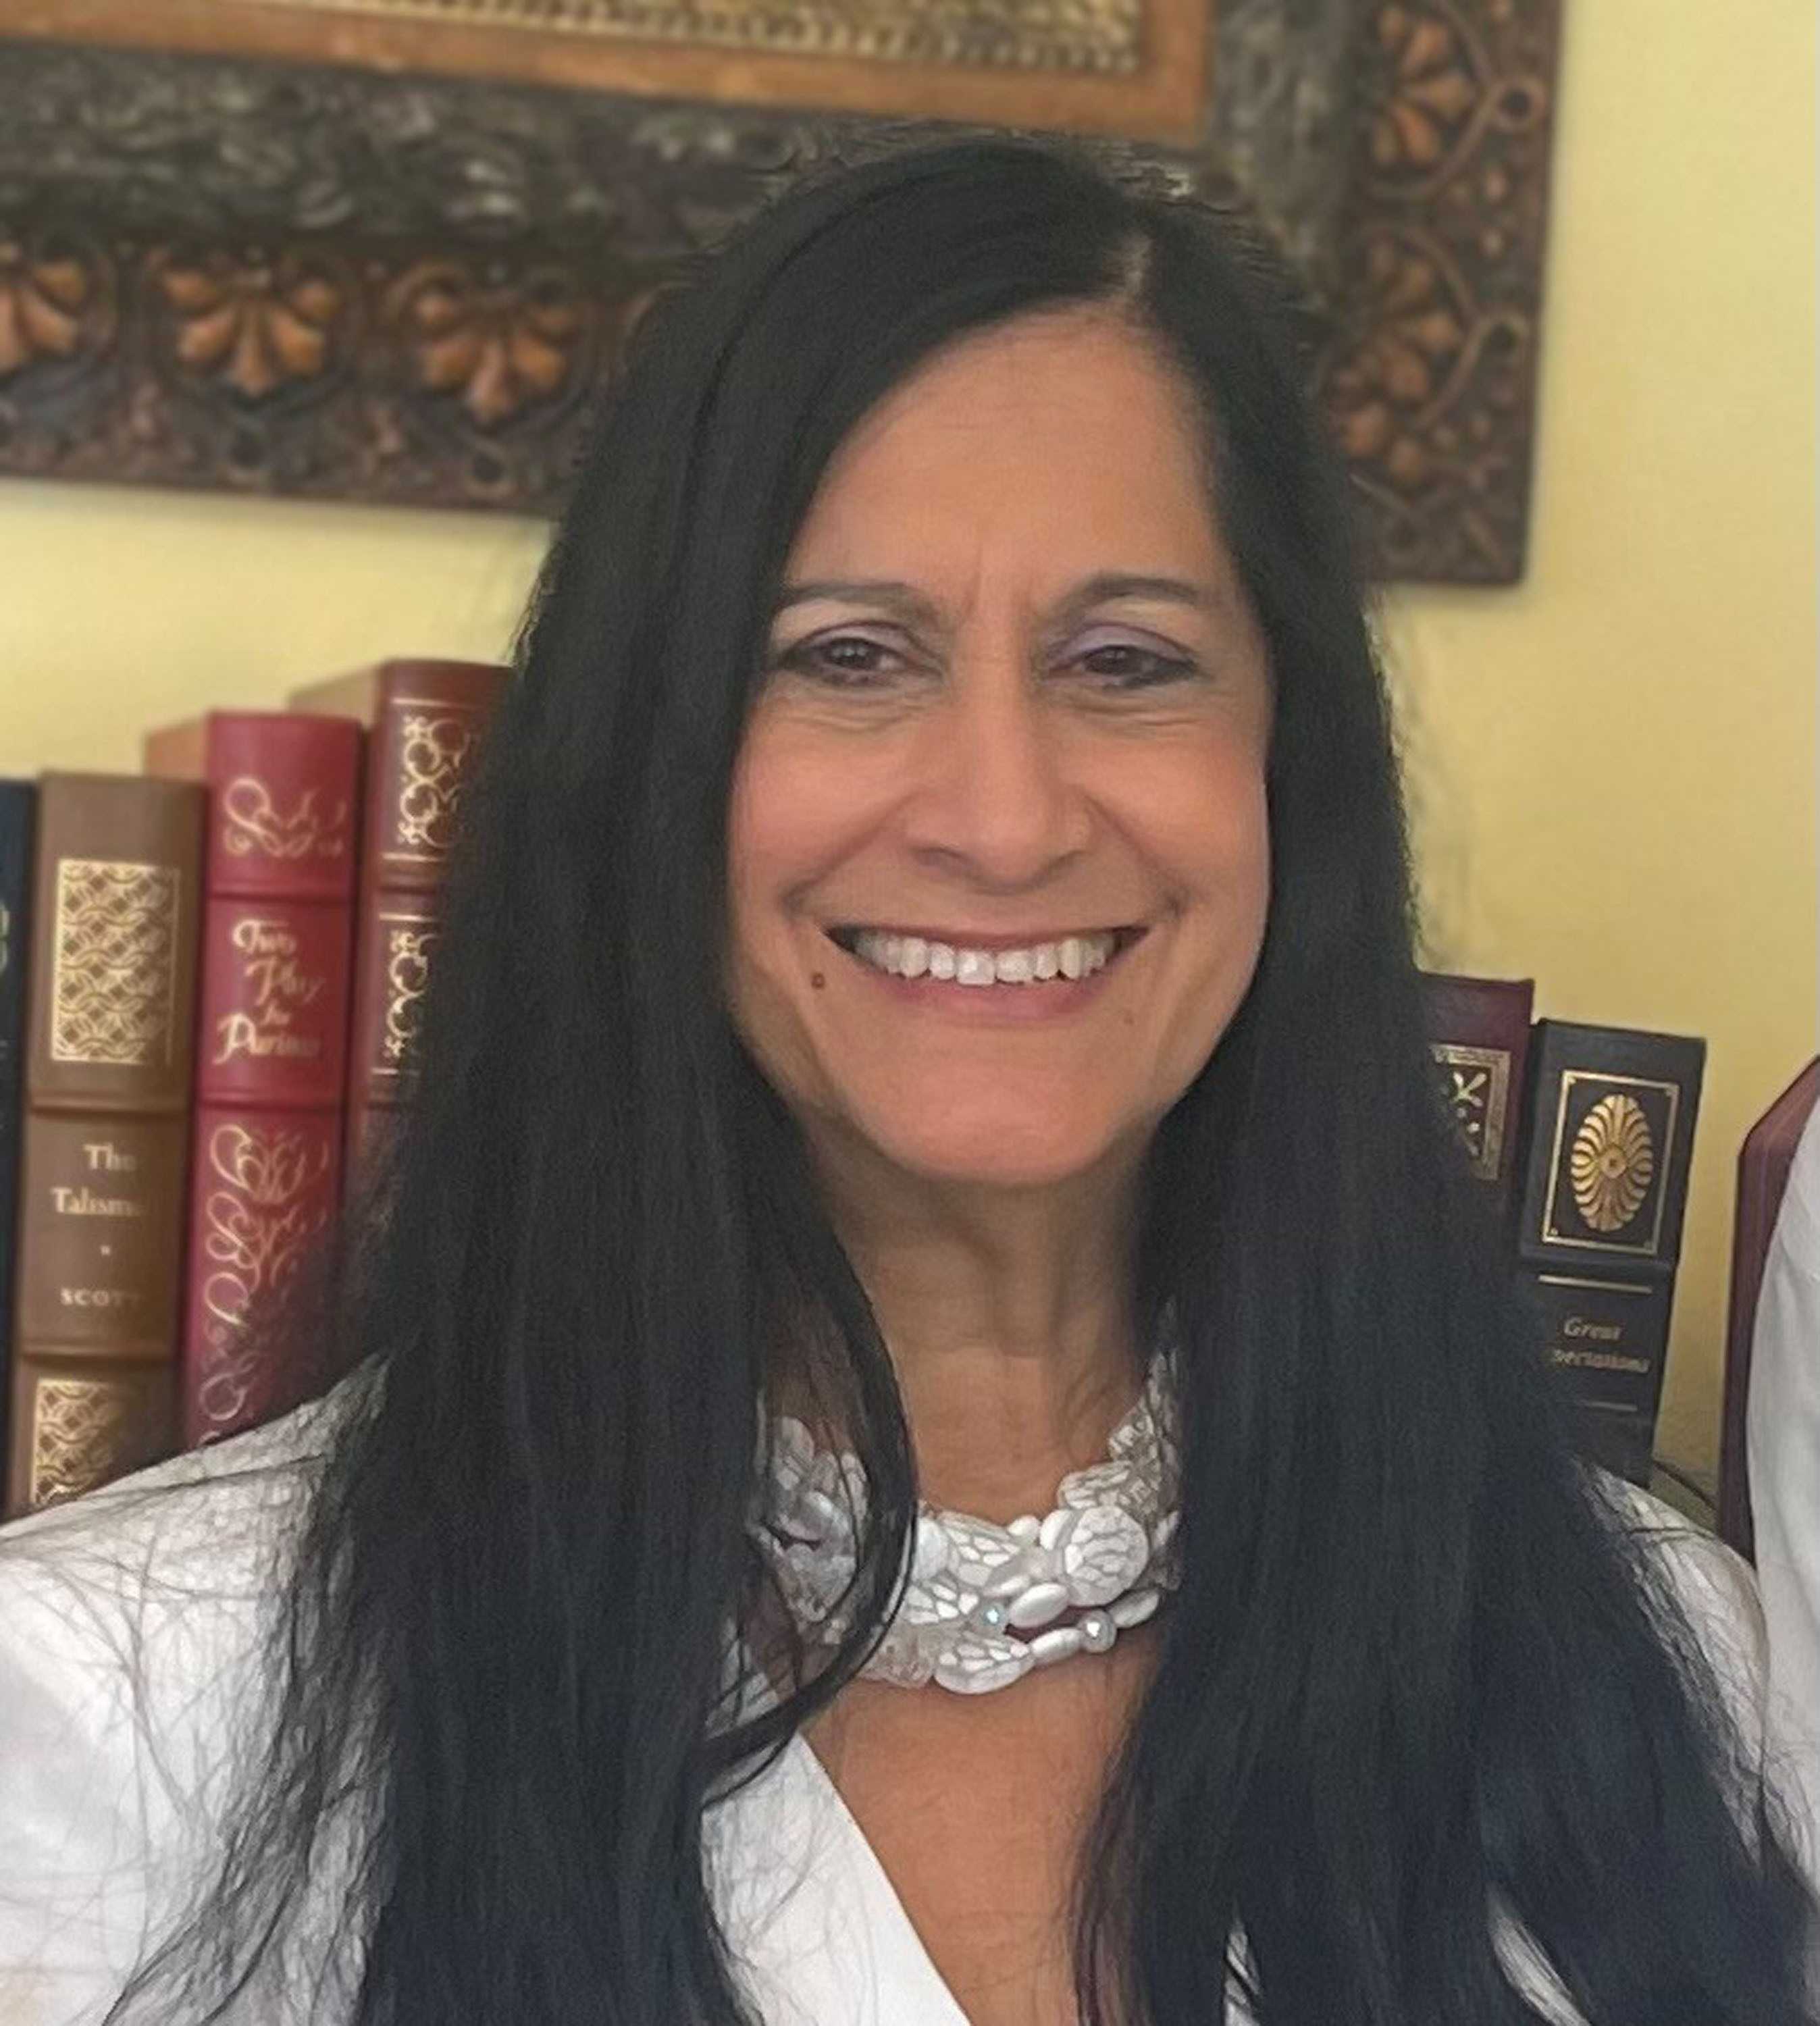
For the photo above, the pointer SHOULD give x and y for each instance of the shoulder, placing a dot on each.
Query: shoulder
(130, 1623)
(1709, 1586)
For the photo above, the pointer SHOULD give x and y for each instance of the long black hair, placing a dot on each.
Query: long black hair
(1418, 1675)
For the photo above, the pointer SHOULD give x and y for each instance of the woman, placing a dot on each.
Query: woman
(930, 975)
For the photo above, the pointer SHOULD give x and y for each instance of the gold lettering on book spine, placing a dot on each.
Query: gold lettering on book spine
(80, 1428)
(113, 988)
(1612, 1162)
(256, 1224)
(252, 822)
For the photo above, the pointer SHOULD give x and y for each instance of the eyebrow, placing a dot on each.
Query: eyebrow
(1106, 587)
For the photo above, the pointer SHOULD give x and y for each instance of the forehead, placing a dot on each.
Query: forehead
(1060, 443)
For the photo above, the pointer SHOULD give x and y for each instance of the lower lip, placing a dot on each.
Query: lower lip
(1054, 999)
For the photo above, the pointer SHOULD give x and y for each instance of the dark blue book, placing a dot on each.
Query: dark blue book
(18, 799)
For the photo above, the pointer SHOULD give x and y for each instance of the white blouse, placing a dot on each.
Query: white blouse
(109, 1794)
(1783, 1434)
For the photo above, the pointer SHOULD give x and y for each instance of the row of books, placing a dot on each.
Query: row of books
(1584, 1136)
(209, 979)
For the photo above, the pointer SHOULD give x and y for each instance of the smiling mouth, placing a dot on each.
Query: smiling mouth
(1062, 960)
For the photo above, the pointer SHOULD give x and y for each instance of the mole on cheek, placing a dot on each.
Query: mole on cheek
(816, 980)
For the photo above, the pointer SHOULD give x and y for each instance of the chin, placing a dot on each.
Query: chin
(1027, 1152)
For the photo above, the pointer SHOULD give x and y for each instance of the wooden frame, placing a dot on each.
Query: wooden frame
(228, 271)
(1130, 67)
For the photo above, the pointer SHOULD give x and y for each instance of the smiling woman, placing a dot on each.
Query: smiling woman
(1012, 731)
(929, 979)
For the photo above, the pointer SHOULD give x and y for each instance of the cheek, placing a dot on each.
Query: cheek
(784, 829)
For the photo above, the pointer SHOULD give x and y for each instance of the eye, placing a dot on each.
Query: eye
(1131, 664)
(841, 660)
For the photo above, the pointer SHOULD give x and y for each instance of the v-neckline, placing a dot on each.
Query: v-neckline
(935, 2006)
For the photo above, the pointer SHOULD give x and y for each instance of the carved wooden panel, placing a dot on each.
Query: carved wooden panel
(1431, 379)
(276, 279)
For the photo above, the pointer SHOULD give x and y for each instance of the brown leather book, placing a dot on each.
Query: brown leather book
(271, 1033)
(109, 1032)
(1607, 1148)
(1479, 1034)
(1763, 1164)
(427, 719)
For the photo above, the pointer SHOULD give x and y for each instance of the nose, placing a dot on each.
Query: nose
(994, 800)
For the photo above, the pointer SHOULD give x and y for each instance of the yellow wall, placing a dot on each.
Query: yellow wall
(1613, 766)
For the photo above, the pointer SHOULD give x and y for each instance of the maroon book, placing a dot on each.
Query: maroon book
(1763, 1164)
(427, 720)
(271, 1032)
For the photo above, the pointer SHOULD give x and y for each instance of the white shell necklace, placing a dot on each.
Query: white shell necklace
(981, 1603)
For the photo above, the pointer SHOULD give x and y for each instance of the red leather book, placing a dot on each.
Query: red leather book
(1479, 1034)
(110, 1022)
(1763, 1163)
(271, 1040)
(427, 719)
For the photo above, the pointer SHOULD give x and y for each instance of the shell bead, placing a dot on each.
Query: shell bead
(1104, 1555)
(1126, 1611)
(1038, 1605)
(1097, 1631)
(929, 1552)
(1061, 1642)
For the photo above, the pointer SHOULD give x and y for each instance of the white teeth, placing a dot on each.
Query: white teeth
(915, 956)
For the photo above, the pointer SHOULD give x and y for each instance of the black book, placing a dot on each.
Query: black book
(17, 802)
(1608, 1146)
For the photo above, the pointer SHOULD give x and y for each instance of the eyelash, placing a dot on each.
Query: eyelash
(1159, 667)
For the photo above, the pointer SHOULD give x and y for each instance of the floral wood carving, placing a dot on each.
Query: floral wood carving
(1430, 380)
(285, 280)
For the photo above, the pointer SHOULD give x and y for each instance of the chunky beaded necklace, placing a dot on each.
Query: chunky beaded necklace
(982, 1604)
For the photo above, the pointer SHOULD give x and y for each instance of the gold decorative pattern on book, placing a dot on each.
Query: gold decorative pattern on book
(408, 943)
(79, 1430)
(434, 753)
(1477, 1088)
(1612, 1162)
(113, 967)
(257, 1227)
(252, 822)
(1608, 1169)
(1102, 36)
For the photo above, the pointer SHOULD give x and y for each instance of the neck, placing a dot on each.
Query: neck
(1008, 1314)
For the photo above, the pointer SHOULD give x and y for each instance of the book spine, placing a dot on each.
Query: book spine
(109, 1034)
(271, 1045)
(18, 802)
(1608, 1153)
(426, 739)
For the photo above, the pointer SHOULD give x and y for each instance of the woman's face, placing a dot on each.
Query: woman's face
(998, 855)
